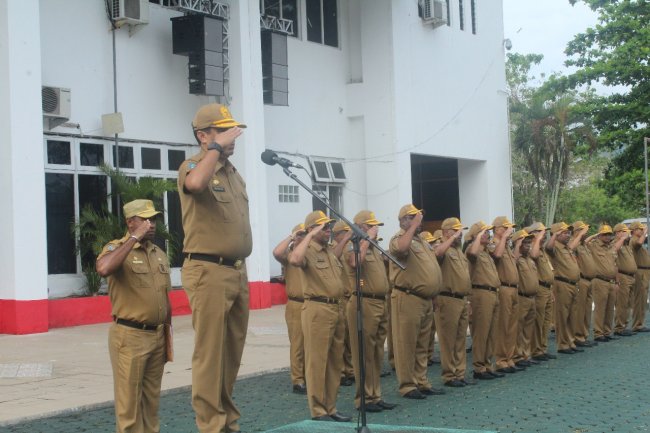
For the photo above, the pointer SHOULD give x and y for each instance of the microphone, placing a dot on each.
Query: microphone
(269, 157)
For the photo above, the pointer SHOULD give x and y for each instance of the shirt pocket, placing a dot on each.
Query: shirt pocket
(224, 203)
(142, 276)
(323, 269)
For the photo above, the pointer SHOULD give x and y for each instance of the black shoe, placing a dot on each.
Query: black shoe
(523, 363)
(583, 344)
(322, 418)
(576, 350)
(339, 417)
(372, 407)
(469, 382)
(611, 337)
(566, 351)
(469, 349)
(550, 356)
(531, 361)
(414, 395)
(644, 329)
(518, 368)
(384, 373)
(593, 343)
(483, 376)
(624, 333)
(454, 383)
(432, 391)
(385, 405)
(602, 339)
(541, 358)
(434, 360)
(508, 370)
(496, 374)
(299, 388)
(347, 381)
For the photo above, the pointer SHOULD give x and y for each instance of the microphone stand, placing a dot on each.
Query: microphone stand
(358, 236)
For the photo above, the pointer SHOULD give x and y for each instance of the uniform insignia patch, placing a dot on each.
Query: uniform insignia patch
(219, 188)
(215, 181)
(191, 165)
(111, 247)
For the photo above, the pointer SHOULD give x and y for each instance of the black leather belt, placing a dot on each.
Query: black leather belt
(584, 277)
(525, 296)
(509, 285)
(482, 287)
(232, 263)
(296, 299)
(371, 296)
(629, 274)
(411, 292)
(604, 278)
(451, 295)
(566, 280)
(543, 284)
(644, 267)
(324, 300)
(134, 324)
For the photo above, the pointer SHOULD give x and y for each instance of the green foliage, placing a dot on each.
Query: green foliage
(592, 205)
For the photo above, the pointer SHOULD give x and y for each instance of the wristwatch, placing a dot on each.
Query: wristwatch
(215, 146)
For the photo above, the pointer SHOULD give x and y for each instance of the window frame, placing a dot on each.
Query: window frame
(328, 163)
(305, 29)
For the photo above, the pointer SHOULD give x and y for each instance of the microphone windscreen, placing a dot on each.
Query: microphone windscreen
(268, 157)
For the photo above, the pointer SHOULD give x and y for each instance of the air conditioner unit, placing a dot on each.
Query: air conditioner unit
(433, 12)
(56, 105)
(130, 11)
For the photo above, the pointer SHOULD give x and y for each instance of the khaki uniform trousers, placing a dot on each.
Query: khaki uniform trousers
(432, 340)
(138, 360)
(504, 336)
(348, 368)
(624, 296)
(218, 297)
(323, 329)
(604, 294)
(581, 314)
(543, 313)
(411, 320)
(451, 318)
(484, 305)
(565, 298)
(292, 313)
(375, 327)
(640, 298)
(526, 313)
(389, 336)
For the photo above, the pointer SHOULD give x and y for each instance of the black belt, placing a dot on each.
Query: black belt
(233, 263)
(482, 287)
(644, 267)
(525, 296)
(371, 296)
(566, 280)
(629, 274)
(324, 300)
(604, 278)
(451, 295)
(136, 325)
(411, 292)
(584, 277)
(296, 299)
(508, 285)
(547, 285)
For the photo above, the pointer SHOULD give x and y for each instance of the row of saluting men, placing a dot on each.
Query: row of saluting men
(507, 286)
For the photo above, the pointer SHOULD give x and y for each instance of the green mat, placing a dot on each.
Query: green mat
(332, 427)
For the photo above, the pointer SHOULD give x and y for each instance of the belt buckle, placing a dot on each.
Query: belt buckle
(238, 264)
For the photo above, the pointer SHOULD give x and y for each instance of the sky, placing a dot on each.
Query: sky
(545, 27)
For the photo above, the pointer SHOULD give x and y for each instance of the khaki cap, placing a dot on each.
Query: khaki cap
(560, 227)
(437, 235)
(605, 229)
(427, 236)
(620, 227)
(476, 228)
(536, 227)
(340, 226)
(408, 209)
(579, 225)
(521, 234)
(637, 225)
(140, 208)
(298, 229)
(503, 221)
(214, 115)
(316, 218)
(367, 217)
(452, 224)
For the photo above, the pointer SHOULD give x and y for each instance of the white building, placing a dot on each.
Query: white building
(387, 107)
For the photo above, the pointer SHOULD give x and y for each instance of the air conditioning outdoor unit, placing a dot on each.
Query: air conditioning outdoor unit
(434, 12)
(130, 11)
(56, 105)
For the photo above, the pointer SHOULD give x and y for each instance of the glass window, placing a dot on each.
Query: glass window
(91, 154)
(330, 23)
(290, 12)
(175, 226)
(59, 201)
(321, 169)
(288, 193)
(126, 157)
(461, 12)
(472, 8)
(337, 170)
(58, 152)
(314, 26)
(448, 14)
(322, 22)
(332, 194)
(92, 193)
(175, 158)
(150, 158)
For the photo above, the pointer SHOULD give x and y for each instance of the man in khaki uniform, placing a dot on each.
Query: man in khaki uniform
(293, 309)
(640, 298)
(567, 275)
(434, 241)
(484, 299)
(374, 288)
(341, 235)
(138, 286)
(527, 292)
(322, 317)
(581, 315)
(505, 331)
(412, 308)
(626, 271)
(451, 305)
(218, 239)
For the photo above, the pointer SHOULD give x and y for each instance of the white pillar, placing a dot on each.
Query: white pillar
(23, 250)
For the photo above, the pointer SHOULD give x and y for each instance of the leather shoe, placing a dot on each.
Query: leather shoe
(432, 391)
(469, 382)
(644, 329)
(523, 363)
(454, 383)
(566, 351)
(508, 370)
(385, 405)
(540, 358)
(611, 337)
(576, 350)
(531, 361)
(496, 374)
(414, 394)
(518, 367)
(299, 388)
(624, 333)
(347, 381)
(601, 339)
(372, 407)
(583, 344)
(550, 356)
(322, 418)
(483, 376)
(339, 417)
(384, 373)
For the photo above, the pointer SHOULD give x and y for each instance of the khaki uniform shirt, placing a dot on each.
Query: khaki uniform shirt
(586, 261)
(544, 267)
(138, 289)
(528, 278)
(216, 220)
(506, 265)
(322, 273)
(482, 269)
(641, 255)
(373, 272)
(422, 274)
(293, 279)
(348, 285)
(625, 259)
(564, 262)
(455, 272)
(604, 258)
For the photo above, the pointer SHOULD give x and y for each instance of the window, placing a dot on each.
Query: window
(327, 170)
(126, 157)
(283, 9)
(288, 193)
(333, 194)
(58, 152)
(150, 158)
(448, 14)
(322, 22)
(472, 7)
(461, 12)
